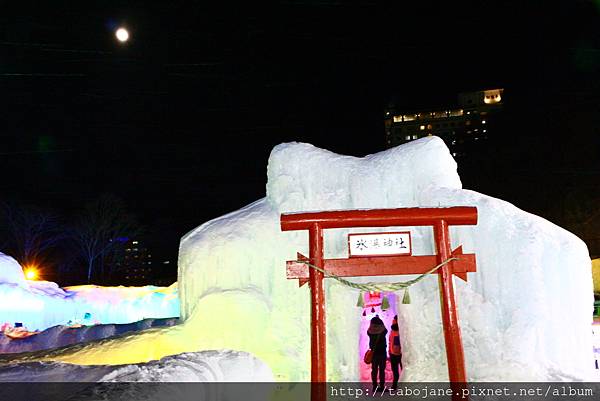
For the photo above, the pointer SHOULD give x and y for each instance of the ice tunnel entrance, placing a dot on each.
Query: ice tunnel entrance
(315, 268)
(372, 307)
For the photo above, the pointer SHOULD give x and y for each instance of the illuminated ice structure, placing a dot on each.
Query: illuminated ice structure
(525, 314)
(39, 305)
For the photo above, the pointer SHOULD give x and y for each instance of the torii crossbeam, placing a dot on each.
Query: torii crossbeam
(439, 218)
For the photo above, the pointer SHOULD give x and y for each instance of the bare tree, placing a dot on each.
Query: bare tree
(29, 232)
(102, 228)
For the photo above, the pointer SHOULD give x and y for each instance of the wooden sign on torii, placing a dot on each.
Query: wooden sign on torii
(439, 218)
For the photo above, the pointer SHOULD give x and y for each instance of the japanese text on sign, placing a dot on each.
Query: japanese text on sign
(373, 244)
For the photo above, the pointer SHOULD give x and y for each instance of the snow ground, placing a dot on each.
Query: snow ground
(221, 366)
(206, 367)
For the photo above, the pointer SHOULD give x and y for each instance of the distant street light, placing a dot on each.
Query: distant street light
(122, 35)
(31, 273)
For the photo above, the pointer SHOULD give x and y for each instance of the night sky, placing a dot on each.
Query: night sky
(179, 121)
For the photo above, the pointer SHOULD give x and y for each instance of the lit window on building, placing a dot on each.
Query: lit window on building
(422, 127)
(407, 137)
(397, 119)
(483, 121)
(415, 137)
(428, 126)
(484, 130)
(491, 98)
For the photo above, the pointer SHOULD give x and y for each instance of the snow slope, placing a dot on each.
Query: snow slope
(234, 293)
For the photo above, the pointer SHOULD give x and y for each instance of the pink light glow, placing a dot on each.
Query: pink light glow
(363, 343)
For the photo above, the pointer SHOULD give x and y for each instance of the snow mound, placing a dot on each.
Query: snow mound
(211, 366)
(46, 288)
(302, 177)
(220, 366)
(525, 314)
(11, 271)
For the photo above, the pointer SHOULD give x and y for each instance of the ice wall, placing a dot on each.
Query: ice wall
(39, 305)
(525, 315)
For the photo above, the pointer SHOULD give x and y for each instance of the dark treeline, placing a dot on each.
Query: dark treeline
(81, 248)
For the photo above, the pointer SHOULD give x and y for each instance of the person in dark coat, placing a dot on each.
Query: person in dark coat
(378, 344)
(395, 351)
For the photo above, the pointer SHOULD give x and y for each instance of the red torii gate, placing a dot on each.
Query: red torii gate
(439, 218)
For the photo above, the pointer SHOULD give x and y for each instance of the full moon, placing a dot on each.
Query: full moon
(122, 35)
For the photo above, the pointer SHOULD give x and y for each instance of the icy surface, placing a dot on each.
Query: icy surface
(39, 305)
(525, 315)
